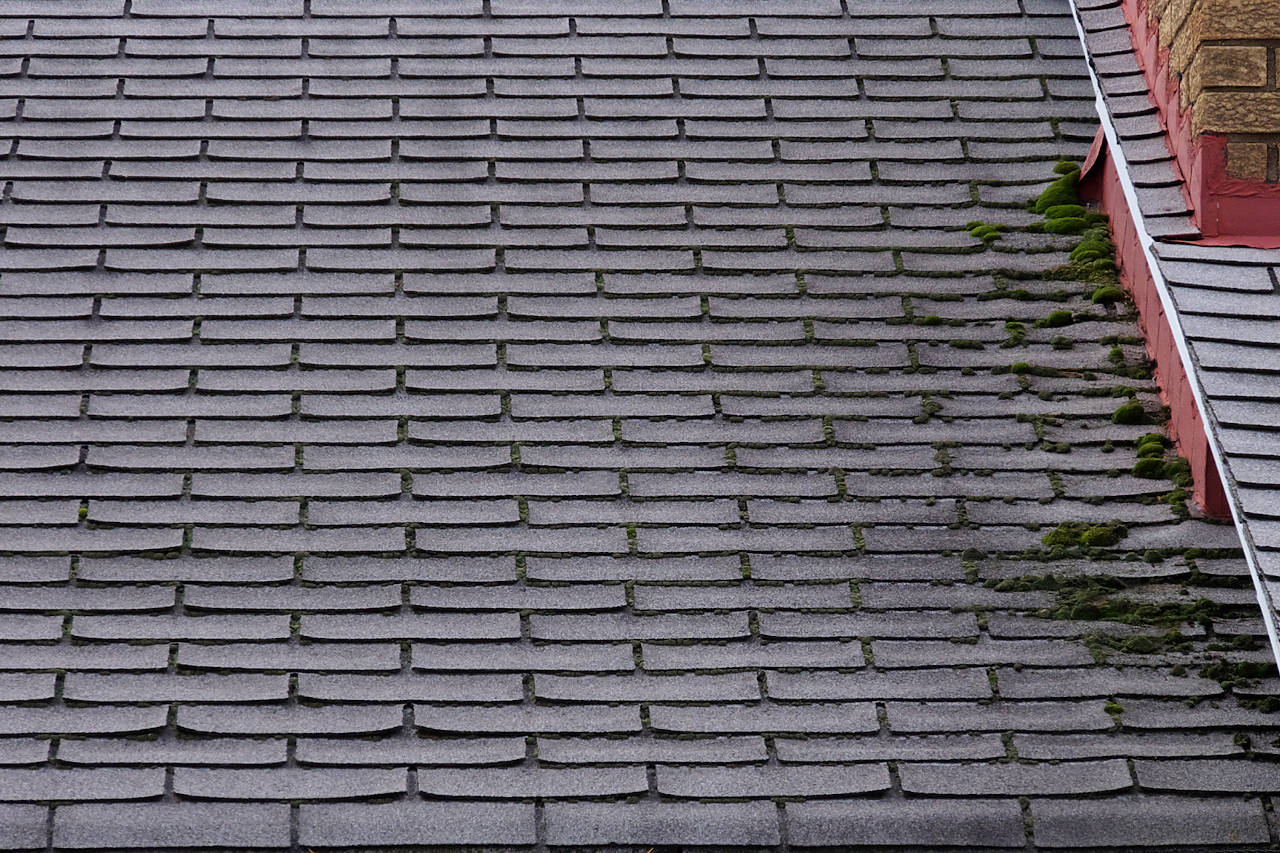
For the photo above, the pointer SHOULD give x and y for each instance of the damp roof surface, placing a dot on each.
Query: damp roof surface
(551, 425)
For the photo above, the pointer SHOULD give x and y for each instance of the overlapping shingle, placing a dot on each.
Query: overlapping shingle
(539, 424)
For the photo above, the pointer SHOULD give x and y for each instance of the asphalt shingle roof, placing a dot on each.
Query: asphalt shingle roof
(546, 424)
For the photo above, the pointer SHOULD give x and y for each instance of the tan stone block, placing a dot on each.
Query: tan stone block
(1236, 112)
(1247, 160)
(1236, 19)
(1183, 51)
(1173, 19)
(1156, 9)
(1226, 65)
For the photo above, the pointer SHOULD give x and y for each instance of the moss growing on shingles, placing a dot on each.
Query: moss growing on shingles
(1101, 598)
(1096, 245)
(1056, 320)
(1107, 295)
(1238, 674)
(1062, 191)
(1076, 534)
(1179, 472)
(1023, 368)
(1152, 446)
(1130, 413)
(1066, 225)
(986, 232)
(1149, 469)
(1017, 334)
(1066, 211)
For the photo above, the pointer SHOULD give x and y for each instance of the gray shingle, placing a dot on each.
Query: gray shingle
(144, 825)
(752, 824)
(497, 400)
(408, 823)
(967, 823)
(1147, 820)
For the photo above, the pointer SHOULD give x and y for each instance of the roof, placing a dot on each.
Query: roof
(536, 424)
(1226, 301)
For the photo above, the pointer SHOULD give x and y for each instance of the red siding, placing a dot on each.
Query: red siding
(1185, 423)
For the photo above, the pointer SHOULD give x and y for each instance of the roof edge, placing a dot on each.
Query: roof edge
(1179, 336)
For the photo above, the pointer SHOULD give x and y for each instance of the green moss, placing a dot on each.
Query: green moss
(986, 232)
(1139, 645)
(1107, 295)
(1068, 225)
(1152, 446)
(1130, 413)
(1239, 674)
(1085, 253)
(1023, 368)
(1074, 534)
(1017, 334)
(1103, 535)
(1056, 320)
(1066, 211)
(1266, 704)
(1060, 192)
(1149, 469)
(1179, 472)
(1101, 598)
(1065, 167)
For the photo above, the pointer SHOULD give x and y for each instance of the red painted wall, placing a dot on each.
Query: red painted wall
(1186, 427)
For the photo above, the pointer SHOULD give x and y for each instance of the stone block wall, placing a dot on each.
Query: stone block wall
(1224, 54)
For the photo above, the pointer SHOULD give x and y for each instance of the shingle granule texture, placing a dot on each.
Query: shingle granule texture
(535, 424)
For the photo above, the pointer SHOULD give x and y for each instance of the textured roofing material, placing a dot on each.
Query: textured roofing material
(541, 424)
(1226, 301)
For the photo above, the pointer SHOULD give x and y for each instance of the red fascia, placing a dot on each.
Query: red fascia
(1228, 211)
(1101, 183)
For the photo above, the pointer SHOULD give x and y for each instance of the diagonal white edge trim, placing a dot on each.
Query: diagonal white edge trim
(1175, 325)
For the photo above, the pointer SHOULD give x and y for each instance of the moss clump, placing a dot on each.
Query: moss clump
(1130, 413)
(1149, 469)
(1239, 674)
(1066, 211)
(1066, 225)
(985, 232)
(1095, 245)
(1118, 608)
(1179, 472)
(1017, 334)
(1076, 534)
(1266, 705)
(1100, 597)
(1107, 295)
(1152, 446)
(1061, 192)
(1056, 320)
